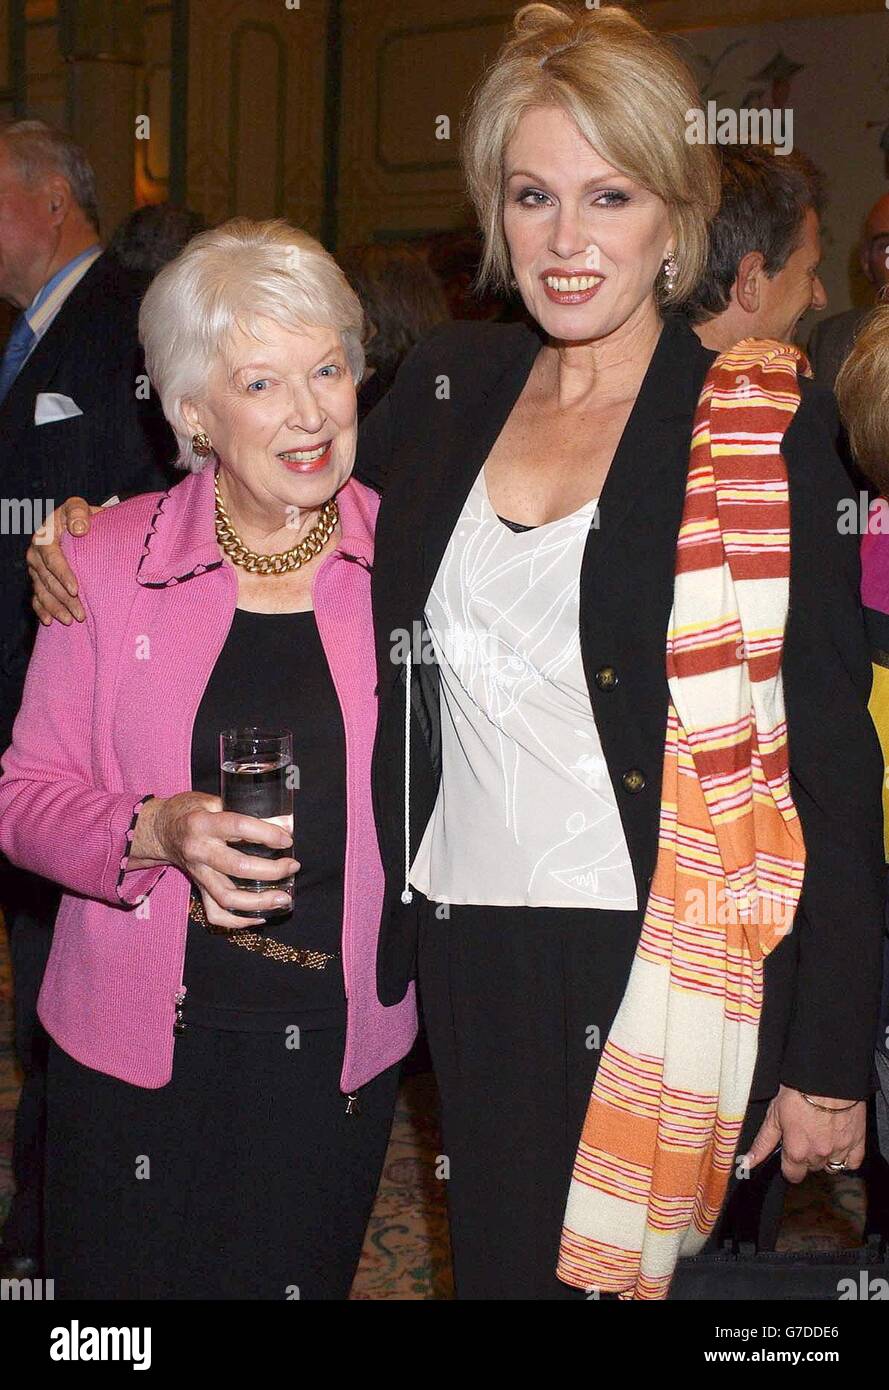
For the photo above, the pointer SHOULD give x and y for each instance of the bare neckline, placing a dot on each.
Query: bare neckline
(543, 525)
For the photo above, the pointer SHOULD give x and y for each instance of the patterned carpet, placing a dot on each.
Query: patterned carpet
(405, 1252)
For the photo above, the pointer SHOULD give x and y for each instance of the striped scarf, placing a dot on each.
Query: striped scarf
(665, 1115)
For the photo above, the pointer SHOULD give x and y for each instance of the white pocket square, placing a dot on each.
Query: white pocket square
(50, 406)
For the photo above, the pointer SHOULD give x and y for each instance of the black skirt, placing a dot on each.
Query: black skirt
(243, 1178)
(518, 1004)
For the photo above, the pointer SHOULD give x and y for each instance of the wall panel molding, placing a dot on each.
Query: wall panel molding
(256, 169)
(256, 110)
(404, 64)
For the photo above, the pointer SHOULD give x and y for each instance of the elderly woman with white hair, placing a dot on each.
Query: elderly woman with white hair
(219, 1098)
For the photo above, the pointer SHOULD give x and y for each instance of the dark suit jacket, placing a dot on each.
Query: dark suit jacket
(424, 445)
(830, 343)
(91, 353)
(828, 347)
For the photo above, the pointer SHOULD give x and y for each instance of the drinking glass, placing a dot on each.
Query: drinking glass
(254, 766)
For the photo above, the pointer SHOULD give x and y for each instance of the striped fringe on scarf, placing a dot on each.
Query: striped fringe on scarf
(668, 1102)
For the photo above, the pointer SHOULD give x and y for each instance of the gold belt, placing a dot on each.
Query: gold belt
(258, 941)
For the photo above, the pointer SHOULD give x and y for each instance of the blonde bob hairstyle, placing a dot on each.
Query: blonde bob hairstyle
(234, 276)
(628, 91)
(862, 392)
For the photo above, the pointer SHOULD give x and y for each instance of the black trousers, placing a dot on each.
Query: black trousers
(518, 1005)
(243, 1178)
(29, 906)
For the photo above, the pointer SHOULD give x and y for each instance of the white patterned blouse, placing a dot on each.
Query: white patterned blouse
(526, 814)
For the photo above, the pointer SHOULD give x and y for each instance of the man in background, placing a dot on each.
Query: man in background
(761, 278)
(402, 300)
(76, 416)
(152, 235)
(765, 249)
(831, 340)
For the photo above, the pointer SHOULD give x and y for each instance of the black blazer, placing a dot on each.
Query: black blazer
(424, 445)
(91, 353)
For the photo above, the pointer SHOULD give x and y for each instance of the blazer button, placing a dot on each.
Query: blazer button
(606, 678)
(633, 780)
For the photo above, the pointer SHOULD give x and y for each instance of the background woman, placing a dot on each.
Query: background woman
(862, 388)
(218, 1116)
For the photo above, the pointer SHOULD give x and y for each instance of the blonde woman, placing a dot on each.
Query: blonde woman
(862, 388)
(534, 487)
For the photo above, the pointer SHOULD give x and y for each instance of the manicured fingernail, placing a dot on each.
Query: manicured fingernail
(282, 900)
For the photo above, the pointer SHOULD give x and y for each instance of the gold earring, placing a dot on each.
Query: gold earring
(201, 444)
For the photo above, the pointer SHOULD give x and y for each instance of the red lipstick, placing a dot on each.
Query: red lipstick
(307, 465)
(571, 296)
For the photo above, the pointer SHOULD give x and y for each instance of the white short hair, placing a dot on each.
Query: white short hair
(232, 277)
(39, 149)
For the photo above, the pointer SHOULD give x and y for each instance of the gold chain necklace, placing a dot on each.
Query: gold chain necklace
(287, 560)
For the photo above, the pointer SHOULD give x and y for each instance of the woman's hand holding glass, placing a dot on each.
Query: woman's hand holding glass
(192, 831)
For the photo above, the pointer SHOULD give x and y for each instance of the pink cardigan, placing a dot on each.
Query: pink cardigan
(106, 722)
